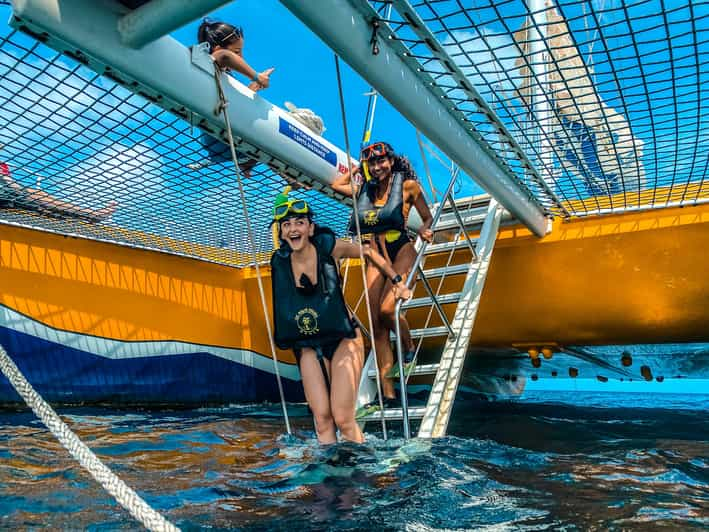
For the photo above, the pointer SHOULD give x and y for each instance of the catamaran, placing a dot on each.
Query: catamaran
(593, 231)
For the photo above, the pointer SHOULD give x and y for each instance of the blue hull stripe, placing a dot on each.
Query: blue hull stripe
(69, 375)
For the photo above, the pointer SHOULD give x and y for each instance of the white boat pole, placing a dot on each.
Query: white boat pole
(540, 94)
(345, 29)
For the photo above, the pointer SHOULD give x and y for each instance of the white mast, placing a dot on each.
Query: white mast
(540, 95)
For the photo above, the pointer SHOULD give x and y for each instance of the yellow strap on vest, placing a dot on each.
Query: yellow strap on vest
(392, 235)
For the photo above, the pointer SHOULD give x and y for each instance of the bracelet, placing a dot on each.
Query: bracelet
(396, 279)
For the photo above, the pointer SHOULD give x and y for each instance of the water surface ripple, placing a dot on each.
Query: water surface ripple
(506, 465)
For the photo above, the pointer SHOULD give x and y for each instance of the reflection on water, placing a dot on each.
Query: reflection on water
(512, 465)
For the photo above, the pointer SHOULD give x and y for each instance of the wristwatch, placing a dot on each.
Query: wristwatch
(396, 279)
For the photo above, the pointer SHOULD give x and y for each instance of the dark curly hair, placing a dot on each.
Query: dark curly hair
(403, 165)
(218, 33)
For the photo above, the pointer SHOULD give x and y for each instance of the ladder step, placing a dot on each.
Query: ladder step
(429, 332)
(443, 299)
(456, 269)
(421, 369)
(470, 202)
(393, 414)
(462, 243)
(450, 221)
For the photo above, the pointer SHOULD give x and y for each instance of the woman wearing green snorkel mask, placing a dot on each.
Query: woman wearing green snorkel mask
(310, 315)
(389, 190)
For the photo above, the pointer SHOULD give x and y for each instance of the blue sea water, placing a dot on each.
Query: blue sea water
(561, 461)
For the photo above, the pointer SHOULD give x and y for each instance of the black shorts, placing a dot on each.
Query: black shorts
(327, 350)
(393, 248)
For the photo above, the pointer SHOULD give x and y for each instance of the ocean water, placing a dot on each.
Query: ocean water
(562, 461)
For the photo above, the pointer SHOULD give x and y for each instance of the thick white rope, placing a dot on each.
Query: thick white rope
(361, 253)
(125, 496)
(221, 108)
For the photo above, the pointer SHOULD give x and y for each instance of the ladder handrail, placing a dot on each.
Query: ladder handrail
(456, 212)
(409, 280)
(435, 301)
(446, 381)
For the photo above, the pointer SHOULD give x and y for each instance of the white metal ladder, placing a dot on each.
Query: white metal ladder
(436, 414)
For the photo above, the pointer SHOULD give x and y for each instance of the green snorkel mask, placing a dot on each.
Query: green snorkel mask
(284, 208)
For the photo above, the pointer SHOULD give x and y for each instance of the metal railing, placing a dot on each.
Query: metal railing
(416, 269)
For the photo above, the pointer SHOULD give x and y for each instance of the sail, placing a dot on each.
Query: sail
(591, 139)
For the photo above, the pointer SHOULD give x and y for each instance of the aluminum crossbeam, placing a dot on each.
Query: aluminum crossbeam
(345, 27)
(158, 18)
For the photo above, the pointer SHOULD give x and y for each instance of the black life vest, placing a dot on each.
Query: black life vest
(377, 220)
(315, 319)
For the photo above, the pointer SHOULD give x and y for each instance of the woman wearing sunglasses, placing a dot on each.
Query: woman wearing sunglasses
(384, 199)
(310, 315)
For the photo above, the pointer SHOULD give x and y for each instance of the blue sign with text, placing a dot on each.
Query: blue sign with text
(305, 140)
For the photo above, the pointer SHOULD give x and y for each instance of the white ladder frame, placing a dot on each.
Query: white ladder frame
(445, 384)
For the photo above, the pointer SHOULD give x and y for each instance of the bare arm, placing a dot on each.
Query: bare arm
(228, 59)
(10, 182)
(342, 183)
(414, 192)
(349, 250)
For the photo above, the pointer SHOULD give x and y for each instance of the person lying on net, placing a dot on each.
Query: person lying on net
(226, 45)
(13, 194)
(310, 315)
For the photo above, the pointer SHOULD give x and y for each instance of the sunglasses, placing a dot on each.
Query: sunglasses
(238, 33)
(378, 149)
(296, 206)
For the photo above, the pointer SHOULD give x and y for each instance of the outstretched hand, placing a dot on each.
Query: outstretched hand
(264, 78)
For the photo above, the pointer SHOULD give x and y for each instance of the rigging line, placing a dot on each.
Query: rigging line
(359, 237)
(119, 490)
(221, 108)
(372, 104)
(434, 192)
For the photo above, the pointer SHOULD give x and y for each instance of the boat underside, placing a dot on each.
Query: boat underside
(90, 321)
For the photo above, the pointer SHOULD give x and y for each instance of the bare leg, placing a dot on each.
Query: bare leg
(317, 396)
(402, 265)
(345, 370)
(385, 357)
(44, 200)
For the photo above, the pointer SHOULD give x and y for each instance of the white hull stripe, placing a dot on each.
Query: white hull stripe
(120, 349)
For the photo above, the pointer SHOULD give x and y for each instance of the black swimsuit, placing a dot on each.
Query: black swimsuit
(312, 315)
(393, 248)
(384, 219)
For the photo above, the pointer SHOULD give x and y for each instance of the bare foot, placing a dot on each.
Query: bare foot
(105, 213)
(247, 166)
